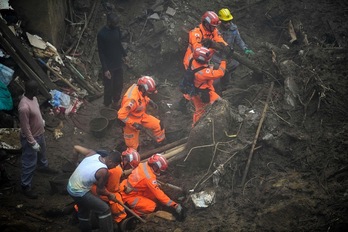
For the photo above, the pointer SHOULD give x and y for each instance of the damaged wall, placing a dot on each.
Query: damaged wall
(43, 18)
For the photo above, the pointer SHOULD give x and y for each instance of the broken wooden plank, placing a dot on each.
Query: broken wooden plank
(24, 55)
(25, 68)
(163, 148)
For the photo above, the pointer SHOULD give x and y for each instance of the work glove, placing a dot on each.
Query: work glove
(36, 147)
(207, 42)
(248, 52)
(153, 104)
(44, 122)
(178, 208)
(138, 126)
(180, 213)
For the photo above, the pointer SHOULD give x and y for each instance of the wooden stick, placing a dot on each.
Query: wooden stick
(163, 148)
(292, 32)
(257, 133)
(58, 75)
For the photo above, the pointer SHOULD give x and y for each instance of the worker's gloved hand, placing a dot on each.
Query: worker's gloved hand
(178, 208)
(112, 197)
(248, 52)
(138, 126)
(153, 104)
(180, 212)
(207, 42)
(44, 122)
(36, 147)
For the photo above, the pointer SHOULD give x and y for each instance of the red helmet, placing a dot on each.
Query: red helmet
(148, 83)
(158, 163)
(130, 157)
(202, 55)
(210, 20)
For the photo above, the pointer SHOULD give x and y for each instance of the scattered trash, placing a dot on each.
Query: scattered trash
(9, 138)
(170, 11)
(154, 16)
(6, 74)
(220, 171)
(203, 199)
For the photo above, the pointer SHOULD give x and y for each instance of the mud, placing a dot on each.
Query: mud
(297, 180)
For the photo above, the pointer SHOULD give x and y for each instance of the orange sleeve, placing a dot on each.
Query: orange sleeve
(158, 193)
(195, 38)
(210, 73)
(126, 108)
(218, 38)
(113, 184)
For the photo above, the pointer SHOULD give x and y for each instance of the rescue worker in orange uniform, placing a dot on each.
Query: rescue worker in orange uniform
(133, 112)
(204, 80)
(129, 159)
(141, 191)
(207, 35)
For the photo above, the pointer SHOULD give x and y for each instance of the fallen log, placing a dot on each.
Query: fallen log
(163, 148)
(25, 68)
(17, 49)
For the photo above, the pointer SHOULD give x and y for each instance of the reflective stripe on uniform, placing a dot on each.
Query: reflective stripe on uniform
(146, 172)
(134, 203)
(104, 216)
(128, 136)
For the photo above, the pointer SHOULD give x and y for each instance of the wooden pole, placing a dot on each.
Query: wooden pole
(257, 133)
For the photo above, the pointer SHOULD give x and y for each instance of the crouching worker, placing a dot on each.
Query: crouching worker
(204, 80)
(93, 169)
(141, 191)
(129, 159)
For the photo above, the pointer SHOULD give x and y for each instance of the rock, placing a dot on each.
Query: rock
(217, 120)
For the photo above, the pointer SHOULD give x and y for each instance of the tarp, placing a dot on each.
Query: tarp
(6, 102)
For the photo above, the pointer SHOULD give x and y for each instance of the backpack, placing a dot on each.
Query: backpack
(187, 85)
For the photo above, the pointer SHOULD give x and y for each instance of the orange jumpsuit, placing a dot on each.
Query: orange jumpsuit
(140, 190)
(133, 110)
(113, 185)
(195, 38)
(204, 79)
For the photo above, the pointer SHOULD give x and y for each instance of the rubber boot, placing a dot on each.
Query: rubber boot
(85, 225)
(105, 223)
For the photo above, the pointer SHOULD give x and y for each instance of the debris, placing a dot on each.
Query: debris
(170, 11)
(292, 33)
(154, 16)
(203, 199)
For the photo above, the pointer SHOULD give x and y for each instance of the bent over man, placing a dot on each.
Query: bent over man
(133, 112)
(93, 169)
(140, 190)
(129, 159)
(204, 80)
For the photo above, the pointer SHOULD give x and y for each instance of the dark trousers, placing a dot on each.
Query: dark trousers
(31, 159)
(88, 203)
(113, 87)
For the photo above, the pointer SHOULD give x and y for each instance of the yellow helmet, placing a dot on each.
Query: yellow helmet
(225, 15)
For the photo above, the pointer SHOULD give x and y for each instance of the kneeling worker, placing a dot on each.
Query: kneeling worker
(140, 190)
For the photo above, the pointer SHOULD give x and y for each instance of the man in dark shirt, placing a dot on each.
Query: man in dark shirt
(111, 55)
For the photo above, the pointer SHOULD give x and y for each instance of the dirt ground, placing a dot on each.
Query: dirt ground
(297, 180)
